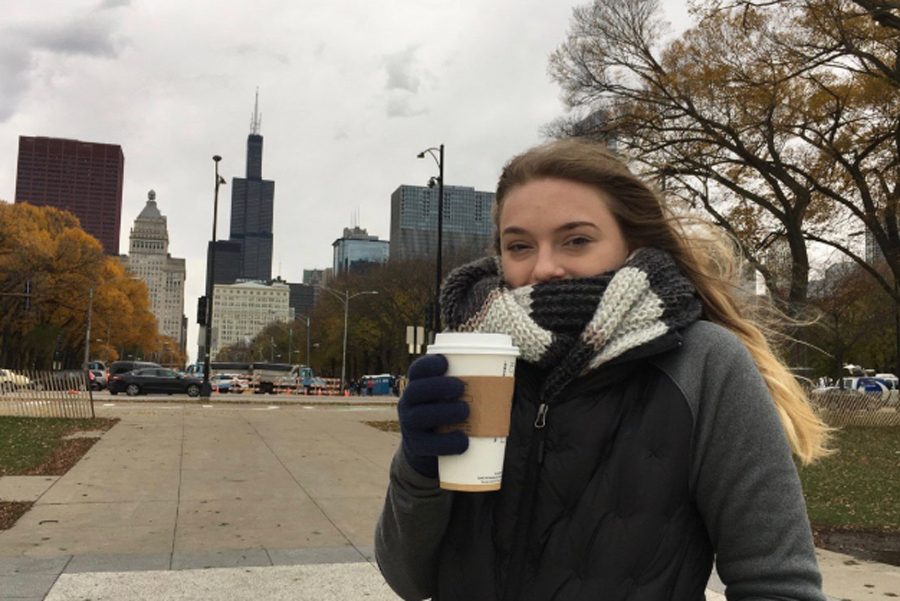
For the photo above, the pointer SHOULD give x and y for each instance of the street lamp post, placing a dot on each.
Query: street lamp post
(439, 159)
(306, 317)
(206, 387)
(345, 298)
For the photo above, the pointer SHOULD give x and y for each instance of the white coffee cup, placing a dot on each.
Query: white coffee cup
(487, 364)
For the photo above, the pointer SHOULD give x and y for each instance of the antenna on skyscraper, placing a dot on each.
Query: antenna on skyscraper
(256, 119)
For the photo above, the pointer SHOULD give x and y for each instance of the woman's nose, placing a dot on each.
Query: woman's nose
(546, 267)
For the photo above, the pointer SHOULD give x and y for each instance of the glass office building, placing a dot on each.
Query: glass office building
(467, 224)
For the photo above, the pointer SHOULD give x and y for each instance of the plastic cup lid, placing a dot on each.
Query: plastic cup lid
(473, 343)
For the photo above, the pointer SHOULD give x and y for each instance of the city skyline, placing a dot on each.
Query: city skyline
(349, 94)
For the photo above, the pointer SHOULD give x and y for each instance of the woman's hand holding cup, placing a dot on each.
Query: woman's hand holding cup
(431, 400)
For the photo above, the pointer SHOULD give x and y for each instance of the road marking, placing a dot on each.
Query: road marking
(109, 404)
(207, 406)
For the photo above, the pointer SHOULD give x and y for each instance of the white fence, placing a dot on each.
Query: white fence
(850, 408)
(46, 394)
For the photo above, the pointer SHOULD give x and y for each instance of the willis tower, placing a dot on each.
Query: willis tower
(251, 212)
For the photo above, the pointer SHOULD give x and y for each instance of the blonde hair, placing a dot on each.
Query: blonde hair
(703, 255)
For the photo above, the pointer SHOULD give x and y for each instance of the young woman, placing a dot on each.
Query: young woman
(652, 425)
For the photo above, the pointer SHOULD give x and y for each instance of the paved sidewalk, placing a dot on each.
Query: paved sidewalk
(233, 502)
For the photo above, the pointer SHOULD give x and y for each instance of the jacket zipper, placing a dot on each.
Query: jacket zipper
(536, 459)
(539, 423)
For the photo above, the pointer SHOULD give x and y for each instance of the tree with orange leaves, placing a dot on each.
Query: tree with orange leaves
(45, 252)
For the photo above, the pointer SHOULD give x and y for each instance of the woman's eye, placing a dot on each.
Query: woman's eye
(516, 247)
(578, 241)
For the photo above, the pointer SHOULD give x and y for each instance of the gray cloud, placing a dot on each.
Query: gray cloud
(90, 37)
(108, 4)
(254, 49)
(14, 64)
(400, 105)
(18, 45)
(400, 68)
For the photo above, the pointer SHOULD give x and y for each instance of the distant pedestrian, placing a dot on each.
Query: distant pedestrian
(652, 425)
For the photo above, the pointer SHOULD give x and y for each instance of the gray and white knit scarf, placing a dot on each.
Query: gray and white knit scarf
(573, 326)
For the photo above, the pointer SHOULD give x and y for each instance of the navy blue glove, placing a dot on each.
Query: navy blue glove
(431, 399)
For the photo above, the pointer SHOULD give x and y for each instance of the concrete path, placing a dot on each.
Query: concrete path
(232, 502)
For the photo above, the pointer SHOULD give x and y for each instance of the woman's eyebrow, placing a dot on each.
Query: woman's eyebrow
(576, 224)
(515, 229)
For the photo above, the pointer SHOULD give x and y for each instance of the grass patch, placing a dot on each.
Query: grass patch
(35, 446)
(858, 487)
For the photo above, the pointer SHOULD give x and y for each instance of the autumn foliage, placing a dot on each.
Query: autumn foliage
(779, 118)
(45, 252)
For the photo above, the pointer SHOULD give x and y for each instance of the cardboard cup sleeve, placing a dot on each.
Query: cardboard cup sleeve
(490, 403)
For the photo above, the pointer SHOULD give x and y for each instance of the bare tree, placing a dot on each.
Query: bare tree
(759, 114)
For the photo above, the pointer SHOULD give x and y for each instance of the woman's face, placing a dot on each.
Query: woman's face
(557, 229)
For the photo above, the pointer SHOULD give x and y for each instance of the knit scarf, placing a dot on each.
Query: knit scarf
(573, 326)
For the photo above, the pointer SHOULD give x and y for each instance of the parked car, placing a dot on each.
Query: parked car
(99, 365)
(97, 378)
(10, 380)
(154, 380)
(121, 367)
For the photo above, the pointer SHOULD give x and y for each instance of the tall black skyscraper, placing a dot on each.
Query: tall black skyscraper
(228, 262)
(252, 209)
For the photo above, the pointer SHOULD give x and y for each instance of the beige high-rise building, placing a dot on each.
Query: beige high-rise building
(242, 310)
(148, 259)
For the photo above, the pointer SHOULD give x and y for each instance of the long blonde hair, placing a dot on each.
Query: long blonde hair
(702, 255)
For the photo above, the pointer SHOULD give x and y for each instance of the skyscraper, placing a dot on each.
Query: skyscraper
(84, 178)
(149, 260)
(467, 224)
(358, 251)
(228, 262)
(252, 201)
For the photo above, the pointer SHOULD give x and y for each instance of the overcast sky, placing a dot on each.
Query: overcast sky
(349, 91)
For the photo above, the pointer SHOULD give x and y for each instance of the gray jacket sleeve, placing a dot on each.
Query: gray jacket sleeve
(743, 477)
(410, 529)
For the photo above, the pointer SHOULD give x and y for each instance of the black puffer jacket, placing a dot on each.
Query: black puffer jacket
(639, 473)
